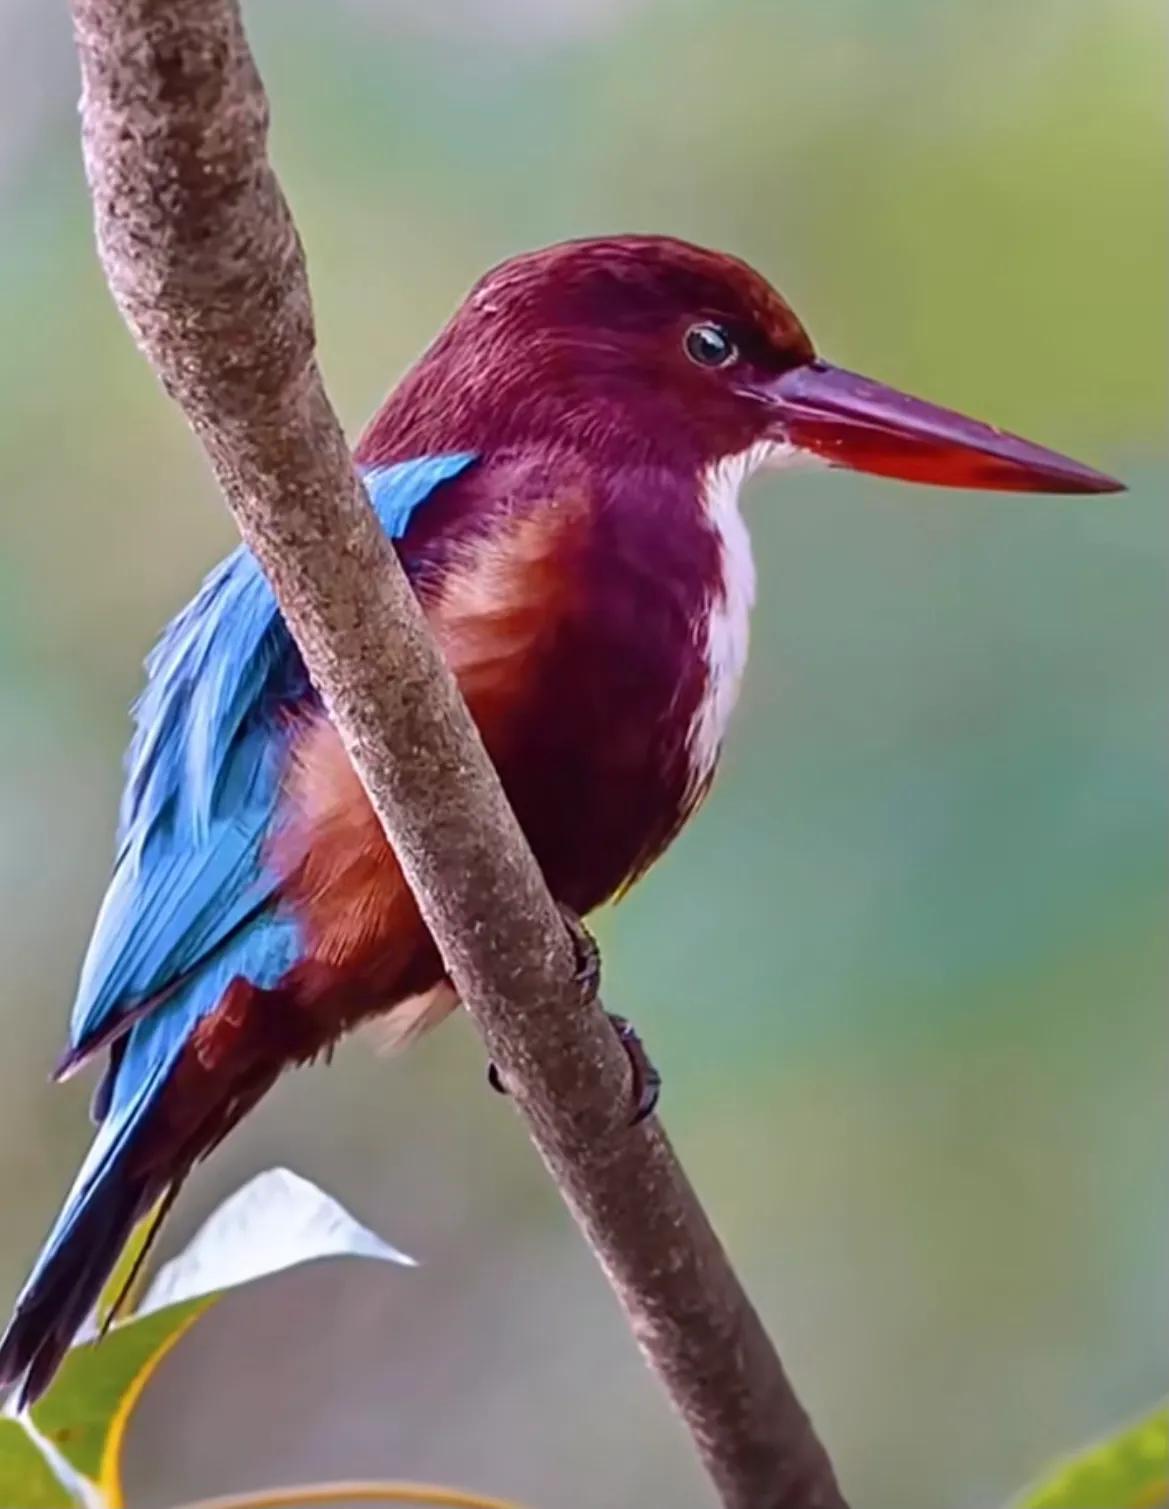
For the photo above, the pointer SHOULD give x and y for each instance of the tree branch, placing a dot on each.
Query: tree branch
(204, 262)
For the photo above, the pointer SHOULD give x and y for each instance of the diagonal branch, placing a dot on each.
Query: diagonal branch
(204, 262)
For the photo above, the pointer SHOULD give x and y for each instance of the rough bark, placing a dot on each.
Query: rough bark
(205, 264)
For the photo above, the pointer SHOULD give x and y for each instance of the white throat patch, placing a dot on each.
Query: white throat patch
(725, 632)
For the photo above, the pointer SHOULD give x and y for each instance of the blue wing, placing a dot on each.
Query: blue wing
(203, 779)
(188, 908)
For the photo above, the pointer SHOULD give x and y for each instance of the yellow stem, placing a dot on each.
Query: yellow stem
(357, 1491)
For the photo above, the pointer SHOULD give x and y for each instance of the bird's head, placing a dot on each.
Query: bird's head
(648, 350)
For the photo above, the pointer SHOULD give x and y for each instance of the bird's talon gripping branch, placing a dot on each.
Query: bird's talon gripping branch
(645, 1078)
(586, 971)
(587, 955)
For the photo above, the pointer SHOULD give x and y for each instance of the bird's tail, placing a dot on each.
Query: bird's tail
(122, 1178)
(66, 1283)
(160, 1109)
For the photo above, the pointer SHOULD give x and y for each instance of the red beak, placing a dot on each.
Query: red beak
(849, 421)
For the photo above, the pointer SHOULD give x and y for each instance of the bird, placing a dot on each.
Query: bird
(560, 472)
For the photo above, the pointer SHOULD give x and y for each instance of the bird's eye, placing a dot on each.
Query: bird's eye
(709, 346)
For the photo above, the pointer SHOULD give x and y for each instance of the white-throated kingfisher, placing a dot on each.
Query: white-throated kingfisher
(561, 473)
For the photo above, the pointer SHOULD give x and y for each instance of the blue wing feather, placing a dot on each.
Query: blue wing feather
(202, 783)
(263, 951)
(188, 908)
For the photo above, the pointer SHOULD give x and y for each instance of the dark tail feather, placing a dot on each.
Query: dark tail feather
(66, 1285)
(126, 1290)
(153, 1127)
(121, 1178)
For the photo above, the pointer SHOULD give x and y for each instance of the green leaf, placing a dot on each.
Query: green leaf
(85, 1413)
(277, 1221)
(26, 1476)
(1127, 1470)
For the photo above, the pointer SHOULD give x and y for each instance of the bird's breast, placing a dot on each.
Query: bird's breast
(599, 639)
(598, 627)
(633, 678)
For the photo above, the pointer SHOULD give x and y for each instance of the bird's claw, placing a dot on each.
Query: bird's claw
(645, 1080)
(586, 954)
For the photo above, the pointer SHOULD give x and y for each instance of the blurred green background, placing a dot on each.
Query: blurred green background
(905, 974)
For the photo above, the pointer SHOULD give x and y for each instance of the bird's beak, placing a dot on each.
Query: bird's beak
(846, 420)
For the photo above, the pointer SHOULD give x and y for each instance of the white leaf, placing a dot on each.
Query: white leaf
(274, 1222)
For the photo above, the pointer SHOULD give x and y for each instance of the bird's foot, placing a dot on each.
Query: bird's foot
(645, 1079)
(586, 954)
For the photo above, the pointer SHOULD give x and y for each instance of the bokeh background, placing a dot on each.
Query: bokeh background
(905, 973)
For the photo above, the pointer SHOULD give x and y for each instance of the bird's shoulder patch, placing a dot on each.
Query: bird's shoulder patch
(498, 604)
(494, 606)
(339, 872)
